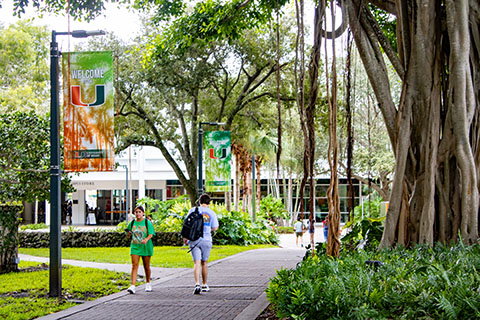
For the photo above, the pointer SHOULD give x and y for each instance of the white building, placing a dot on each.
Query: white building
(144, 169)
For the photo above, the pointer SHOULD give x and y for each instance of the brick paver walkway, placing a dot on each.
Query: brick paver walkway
(237, 286)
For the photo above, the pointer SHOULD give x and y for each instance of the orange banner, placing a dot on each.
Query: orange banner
(88, 122)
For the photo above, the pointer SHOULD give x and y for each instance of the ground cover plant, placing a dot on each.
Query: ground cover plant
(441, 282)
(24, 294)
(165, 256)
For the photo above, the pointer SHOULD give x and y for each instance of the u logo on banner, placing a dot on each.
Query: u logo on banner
(99, 96)
(212, 154)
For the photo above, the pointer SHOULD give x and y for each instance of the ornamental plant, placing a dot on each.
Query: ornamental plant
(441, 282)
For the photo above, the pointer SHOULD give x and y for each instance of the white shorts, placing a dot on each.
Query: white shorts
(201, 249)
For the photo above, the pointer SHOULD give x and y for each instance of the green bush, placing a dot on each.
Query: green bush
(160, 210)
(88, 239)
(420, 283)
(237, 228)
(285, 229)
(33, 226)
(272, 208)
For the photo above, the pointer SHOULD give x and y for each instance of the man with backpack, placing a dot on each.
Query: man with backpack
(200, 248)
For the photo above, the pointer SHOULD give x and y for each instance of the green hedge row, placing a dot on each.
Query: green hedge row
(86, 239)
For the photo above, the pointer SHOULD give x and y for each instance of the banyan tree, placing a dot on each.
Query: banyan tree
(435, 128)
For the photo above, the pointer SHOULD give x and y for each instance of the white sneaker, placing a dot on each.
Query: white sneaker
(131, 289)
(148, 287)
(205, 288)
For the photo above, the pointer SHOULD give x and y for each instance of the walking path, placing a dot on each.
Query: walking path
(237, 288)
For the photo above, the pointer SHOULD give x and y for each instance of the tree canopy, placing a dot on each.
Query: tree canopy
(24, 74)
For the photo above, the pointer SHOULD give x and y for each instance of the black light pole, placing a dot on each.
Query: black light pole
(200, 155)
(55, 170)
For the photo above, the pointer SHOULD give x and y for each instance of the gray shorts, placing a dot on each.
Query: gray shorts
(201, 250)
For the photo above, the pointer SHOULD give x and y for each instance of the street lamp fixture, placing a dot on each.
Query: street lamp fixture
(200, 156)
(55, 167)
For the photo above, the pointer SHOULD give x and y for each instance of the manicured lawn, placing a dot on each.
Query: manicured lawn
(165, 256)
(24, 295)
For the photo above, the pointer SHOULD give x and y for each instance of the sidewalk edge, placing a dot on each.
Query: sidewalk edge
(254, 309)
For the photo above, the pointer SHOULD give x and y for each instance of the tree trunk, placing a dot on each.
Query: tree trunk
(236, 196)
(289, 206)
(434, 130)
(258, 164)
(333, 243)
(9, 222)
(228, 200)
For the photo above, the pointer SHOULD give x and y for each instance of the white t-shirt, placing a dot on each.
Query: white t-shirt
(298, 226)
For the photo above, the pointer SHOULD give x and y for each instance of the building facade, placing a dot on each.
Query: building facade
(103, 198)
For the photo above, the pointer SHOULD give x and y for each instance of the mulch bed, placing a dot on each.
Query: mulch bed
(269, 314)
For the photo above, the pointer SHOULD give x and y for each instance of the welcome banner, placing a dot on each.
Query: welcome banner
(217, 155)
(88, 110)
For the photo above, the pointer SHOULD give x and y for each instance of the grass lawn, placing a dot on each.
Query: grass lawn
(24, 295)
(165, 256)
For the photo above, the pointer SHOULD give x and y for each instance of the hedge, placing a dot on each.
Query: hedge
(87, 239)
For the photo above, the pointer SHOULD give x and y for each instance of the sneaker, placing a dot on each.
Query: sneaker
(131, 289)
(205, 288)
(148, 287)
(197, 289)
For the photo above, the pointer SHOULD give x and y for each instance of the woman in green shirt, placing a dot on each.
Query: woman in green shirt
(141, 230)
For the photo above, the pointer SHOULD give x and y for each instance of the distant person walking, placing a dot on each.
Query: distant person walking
(200, 249)
(299, 231)
(69, 212)
(326, 226)
(141, 230)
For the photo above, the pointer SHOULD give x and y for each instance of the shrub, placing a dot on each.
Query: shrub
(237, 228)
(272, 208)
(285, 229)
(37, 226)
(81, 239)
(423, 282)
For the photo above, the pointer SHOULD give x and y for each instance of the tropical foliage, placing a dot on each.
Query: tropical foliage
(272, 208)
(235, 228)
(422, 283)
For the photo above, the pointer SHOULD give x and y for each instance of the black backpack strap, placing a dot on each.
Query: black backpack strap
(146, 225)
(130, 226)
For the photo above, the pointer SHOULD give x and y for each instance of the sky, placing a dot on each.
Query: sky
(124, 23)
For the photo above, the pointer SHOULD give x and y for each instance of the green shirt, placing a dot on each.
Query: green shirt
(138, 234)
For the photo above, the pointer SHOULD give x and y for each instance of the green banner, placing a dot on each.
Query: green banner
(88, 124)
(217, 157)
